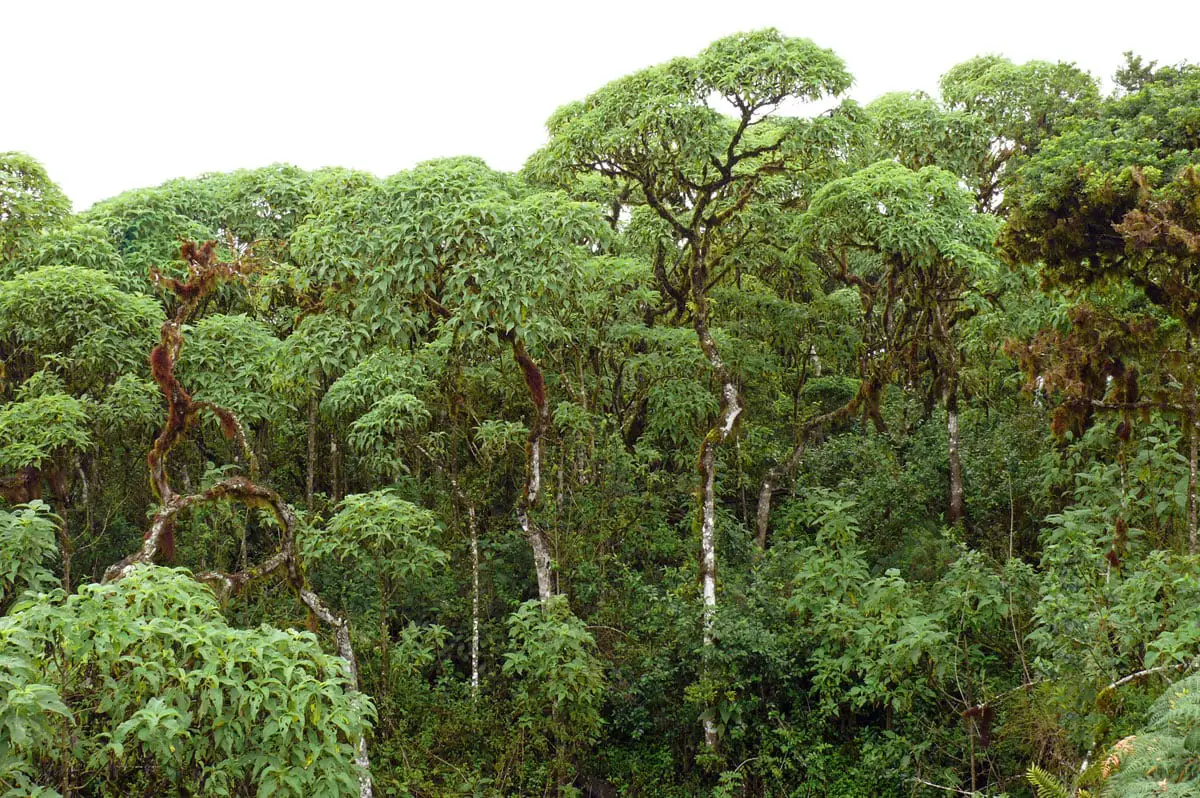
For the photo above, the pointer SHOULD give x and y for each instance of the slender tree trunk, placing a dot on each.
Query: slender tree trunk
(333, 469)
(473, 527)
(771, 483)
(1194, 442)
(385, 635)
(730, 409)
(85, 485)
(957, 507)
(312, 453)
(59, 488)
(345, 649)
(774, 476)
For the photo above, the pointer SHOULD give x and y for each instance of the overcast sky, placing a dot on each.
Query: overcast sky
(117, 95)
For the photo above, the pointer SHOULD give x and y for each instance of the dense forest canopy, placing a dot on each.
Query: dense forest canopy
(730, 448)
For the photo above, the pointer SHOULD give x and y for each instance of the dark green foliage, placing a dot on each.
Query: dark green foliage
(387, 349)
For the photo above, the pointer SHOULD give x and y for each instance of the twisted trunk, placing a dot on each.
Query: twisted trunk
(182, 412)
(538, 542)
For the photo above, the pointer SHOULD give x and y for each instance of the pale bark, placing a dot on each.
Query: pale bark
(312, 453)
(538, 542)
(1194, 442)
(334, 493)
(770, 484)
(774, 476)
(730, 409)
(473, 526)
(957, 509)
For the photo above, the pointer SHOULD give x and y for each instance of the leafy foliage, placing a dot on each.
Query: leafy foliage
(159, 693)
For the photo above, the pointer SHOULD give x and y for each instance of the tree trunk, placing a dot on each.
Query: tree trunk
(775, 475)
(1194, 441)
(770, 484)
(334, 493)
(312, 453)
(538, 542)
(345, 649)
(730, 409)
(957, 507)
(473, 527)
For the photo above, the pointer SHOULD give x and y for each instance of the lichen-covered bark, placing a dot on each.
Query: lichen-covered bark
(205, 273)
(730, 409)
(473, 527)
(957, 504)
(535, 382)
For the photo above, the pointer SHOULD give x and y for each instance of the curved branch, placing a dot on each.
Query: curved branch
(205, 273)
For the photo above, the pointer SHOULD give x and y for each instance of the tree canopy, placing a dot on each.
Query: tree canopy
(748, 441)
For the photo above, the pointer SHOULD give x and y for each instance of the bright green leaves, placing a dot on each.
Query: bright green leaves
(146, 671)
(380, 530)
(29, 203)
(78, 317)
(921, 218)
(917, 131)
(146, 225)
(657, 130)
(27, 542)
(35, 430)
(452, 241)
(228, 360)
(390, 417)
(659, 117)
(75, 244)
(762, 68)
(1024, 103)
(559, 678)
(378, 375)
(320, 350)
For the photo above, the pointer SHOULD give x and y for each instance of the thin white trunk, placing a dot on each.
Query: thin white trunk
(334, 493)
(957, 504)
(341, 636)
(1193, 526)
(312, 454)
(471, 522)
(708, 566)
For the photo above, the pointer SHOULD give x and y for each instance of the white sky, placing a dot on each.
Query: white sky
(116, 95)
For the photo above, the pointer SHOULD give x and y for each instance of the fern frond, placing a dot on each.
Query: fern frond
(1045, 784)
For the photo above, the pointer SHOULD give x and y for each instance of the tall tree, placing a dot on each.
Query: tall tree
(929, 248)
(699, 139)
(1113, 201)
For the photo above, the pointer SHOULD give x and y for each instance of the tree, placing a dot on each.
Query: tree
(205, 273)
(699, 172)
(930, 249)
(474, 251)
(389, 538)
(29, 203)
(1115, 200)
(1018, 107)
(142, 686)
